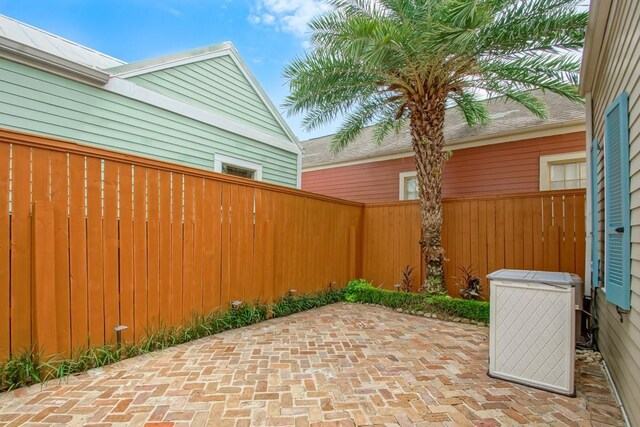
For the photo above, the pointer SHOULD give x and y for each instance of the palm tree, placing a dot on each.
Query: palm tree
(386, 62)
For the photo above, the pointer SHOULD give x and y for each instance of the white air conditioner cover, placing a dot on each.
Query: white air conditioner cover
(532, 334)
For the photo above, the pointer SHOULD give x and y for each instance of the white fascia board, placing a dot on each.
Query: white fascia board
(596, 29)
(18, 52)
(235, 56)
(131, 90)
(172, 64)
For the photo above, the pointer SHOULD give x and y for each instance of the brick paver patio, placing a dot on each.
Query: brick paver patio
(339, 365)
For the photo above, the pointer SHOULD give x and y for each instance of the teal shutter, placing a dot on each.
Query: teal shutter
(595, 267)
(617, 213)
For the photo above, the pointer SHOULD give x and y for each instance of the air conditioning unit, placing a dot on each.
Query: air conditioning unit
(533, 328)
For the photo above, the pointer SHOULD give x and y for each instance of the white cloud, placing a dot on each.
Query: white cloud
(291, 16)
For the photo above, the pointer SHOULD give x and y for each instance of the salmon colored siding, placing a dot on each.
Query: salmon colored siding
(510, 167)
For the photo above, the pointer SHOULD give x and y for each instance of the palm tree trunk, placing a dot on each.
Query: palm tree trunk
(427, 132)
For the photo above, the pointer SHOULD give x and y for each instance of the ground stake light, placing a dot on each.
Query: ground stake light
(119, 330)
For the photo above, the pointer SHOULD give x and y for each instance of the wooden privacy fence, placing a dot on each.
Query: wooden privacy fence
(91, 239)
(541, 231)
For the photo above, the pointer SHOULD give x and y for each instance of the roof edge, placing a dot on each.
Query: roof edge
(28, 55)
(495, 138)
(151, 65)
(596, 30)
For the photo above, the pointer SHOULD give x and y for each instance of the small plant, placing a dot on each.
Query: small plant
(471, 285)
(21, 370)
(407, 279)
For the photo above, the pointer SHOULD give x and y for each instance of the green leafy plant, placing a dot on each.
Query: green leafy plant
(364, 292)
(397, 64)
(470, 284)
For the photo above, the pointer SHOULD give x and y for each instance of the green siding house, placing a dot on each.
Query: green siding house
(200, 108)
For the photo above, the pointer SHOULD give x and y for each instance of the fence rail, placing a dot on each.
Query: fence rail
(541, 231)
(91, 239)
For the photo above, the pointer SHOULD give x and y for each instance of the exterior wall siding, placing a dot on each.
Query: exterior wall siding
(619, 70)
(216, 85)
(512, 167)
(43, 103)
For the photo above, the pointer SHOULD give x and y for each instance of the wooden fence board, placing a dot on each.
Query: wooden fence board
(5, 261)
(125, 190)
(187, 251)
(164, 253)
(95, 273)
(176, 248)
(153, 250)
(21, 250)
(110, 251)
(78, 252)
(198, 200)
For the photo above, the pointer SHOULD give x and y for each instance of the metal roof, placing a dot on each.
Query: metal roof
(505, 117)
(55, 45)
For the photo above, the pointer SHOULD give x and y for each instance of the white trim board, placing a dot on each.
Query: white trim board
(546, 160)
(131, 90)
(220, 159)
(171, 63)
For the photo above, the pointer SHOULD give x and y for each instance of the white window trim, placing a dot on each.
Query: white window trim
(404, 175)
(545, 161)
(220, 159)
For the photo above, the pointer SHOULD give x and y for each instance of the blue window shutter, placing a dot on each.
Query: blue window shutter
(595, 267)
(617, 214)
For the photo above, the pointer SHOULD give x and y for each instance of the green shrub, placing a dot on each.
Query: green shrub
(364, 292)
(295, 304)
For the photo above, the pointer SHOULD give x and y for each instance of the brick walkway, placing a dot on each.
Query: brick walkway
(340, 365)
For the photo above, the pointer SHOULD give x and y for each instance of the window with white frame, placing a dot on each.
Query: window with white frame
(409, 186)
(237, 167)
(563, 171)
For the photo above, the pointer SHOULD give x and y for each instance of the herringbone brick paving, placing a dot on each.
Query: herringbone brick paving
(341, 365)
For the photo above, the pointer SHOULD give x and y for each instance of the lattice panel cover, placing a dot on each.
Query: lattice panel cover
(532, 334)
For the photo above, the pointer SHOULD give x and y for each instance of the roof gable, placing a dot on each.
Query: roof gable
(213, 79)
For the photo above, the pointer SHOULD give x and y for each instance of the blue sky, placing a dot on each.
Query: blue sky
(268, 33)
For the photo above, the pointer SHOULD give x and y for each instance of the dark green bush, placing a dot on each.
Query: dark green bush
(364, 292)
(295, 304)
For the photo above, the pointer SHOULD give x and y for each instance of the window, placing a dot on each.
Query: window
(236, 171)
(409, 186)
(237, 167)
(565, 175)
(563, 171)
